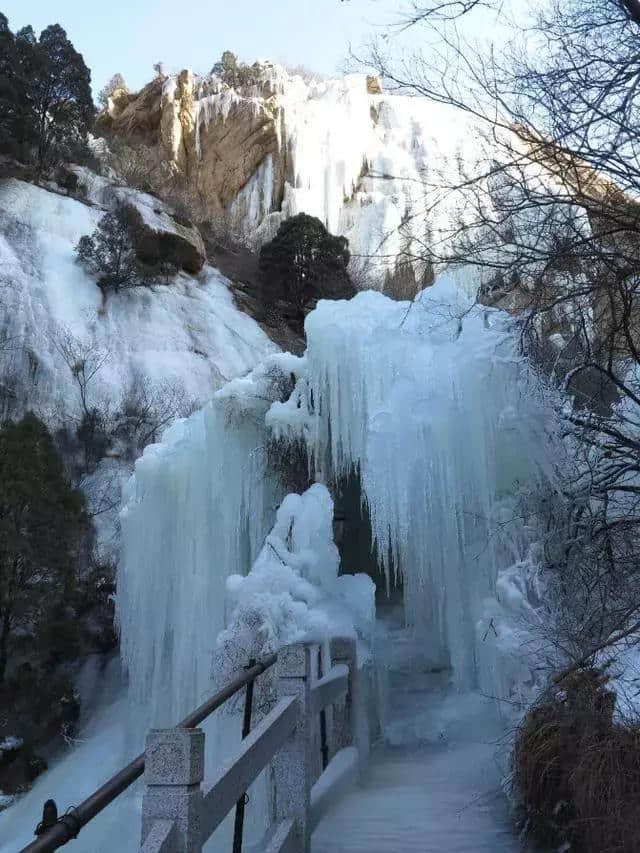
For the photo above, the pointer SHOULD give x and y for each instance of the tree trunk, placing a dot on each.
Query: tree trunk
(4, 644)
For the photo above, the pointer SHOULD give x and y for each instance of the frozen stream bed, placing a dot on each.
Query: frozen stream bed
(434, 783)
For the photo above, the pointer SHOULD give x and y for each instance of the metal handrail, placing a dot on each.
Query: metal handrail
(69, 825)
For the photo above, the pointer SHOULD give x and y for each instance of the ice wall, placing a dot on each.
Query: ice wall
(377, 168)
(447, 427)
(197, 510)
(430, 401)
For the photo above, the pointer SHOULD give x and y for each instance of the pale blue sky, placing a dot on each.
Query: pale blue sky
(129, 36)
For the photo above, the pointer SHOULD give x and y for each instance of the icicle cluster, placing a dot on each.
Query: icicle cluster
(197, 510)
(431, 404)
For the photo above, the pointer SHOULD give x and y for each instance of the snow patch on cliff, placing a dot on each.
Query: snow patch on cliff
(373, 167)
(189, 331)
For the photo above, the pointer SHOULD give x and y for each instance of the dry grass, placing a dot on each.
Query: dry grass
(576, 771)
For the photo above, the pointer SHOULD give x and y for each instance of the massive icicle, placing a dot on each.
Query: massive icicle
(197, 511)
(428, 400)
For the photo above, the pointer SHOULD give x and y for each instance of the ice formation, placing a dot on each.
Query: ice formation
(373, 167)
(293, 592)
(184, 340)
(430, 403)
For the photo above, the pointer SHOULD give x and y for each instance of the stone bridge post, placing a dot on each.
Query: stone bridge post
(293, 764)
(174, 770)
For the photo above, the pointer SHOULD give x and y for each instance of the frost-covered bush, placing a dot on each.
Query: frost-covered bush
(292, 593)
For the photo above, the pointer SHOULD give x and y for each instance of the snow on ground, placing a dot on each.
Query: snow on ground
(434, 783)
(431, 800)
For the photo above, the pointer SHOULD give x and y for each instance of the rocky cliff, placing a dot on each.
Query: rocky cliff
(249, 146)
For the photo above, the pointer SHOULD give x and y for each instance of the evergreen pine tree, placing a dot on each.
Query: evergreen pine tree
(61, 98)
(110, 252)
(304, 263)
(46, 108)
(42, 523)
(13, 95)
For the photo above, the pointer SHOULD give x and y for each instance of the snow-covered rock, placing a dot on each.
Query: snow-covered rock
(162, 235)
(188, 332)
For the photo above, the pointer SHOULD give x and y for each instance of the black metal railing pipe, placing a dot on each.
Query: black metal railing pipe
(69, 825)
(208, 707)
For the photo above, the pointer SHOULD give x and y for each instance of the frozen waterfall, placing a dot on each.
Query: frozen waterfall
(429, 401)
(449, 432)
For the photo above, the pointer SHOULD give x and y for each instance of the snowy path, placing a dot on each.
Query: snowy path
(427, 800)
(435, 783)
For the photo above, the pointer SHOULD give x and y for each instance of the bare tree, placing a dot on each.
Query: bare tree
(147, 408)
(549, 215)
(85, 358)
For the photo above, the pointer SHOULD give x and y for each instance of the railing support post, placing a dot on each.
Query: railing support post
(343, 650)
(174, 769)
(293, 763)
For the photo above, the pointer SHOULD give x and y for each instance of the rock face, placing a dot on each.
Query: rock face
(162, 234)
(247, 147)
(134, 116)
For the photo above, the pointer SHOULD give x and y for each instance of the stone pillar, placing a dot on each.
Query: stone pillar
(293, 763)
(174, 769)
(343, 650)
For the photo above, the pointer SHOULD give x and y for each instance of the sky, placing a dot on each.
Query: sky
(130, 36)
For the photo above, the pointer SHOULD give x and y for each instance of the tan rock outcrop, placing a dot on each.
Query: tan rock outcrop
(178, 122)
(209, 137)
(233, 145)
(133, 117)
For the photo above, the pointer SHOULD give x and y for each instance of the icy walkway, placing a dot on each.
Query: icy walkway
(427, 800)
(435, 783)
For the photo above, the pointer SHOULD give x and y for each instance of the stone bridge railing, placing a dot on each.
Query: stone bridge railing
(308, 738)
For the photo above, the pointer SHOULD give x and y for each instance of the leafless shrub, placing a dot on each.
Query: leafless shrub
(147, 408)
(291, 462)
(85, 358)
(138, 166)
